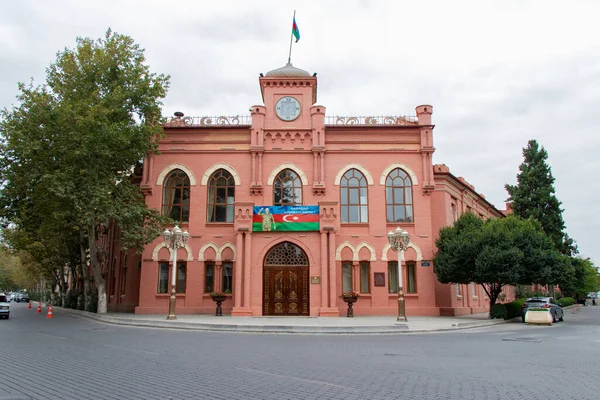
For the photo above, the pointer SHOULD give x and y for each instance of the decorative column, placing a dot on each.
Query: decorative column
(260, 168)
(218, 278)
(355, 276)
(315, 176)
(242, 224)
(324, 272)
(322, 178)
(247, 267)
(239, 270)
(332, 272)
(253, 170)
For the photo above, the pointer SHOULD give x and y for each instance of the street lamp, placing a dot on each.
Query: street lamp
(174, 240)
(399, 241)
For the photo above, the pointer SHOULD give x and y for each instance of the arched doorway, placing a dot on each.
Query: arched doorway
(285, 281)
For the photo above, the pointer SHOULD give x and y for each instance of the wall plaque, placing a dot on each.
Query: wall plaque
(379, 278)
(425, 264)
(315, 280)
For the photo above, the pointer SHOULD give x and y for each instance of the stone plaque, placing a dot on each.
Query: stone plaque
(379, 278)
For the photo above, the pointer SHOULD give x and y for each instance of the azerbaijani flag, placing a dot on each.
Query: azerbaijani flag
(286, 218)
(295, 30)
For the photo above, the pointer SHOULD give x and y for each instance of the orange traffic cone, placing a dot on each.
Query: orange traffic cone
(39, 309)
(49, 311)
(29, 306)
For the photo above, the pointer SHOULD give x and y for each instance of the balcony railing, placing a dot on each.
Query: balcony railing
(246, 120)
(237, 120)
(384, 120)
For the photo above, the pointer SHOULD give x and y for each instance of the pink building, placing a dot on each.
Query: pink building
(362, 176)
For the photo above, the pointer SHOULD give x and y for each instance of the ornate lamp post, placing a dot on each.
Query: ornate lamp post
(399, 241)
(174, 240)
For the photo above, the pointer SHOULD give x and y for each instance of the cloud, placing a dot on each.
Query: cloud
(496, 73)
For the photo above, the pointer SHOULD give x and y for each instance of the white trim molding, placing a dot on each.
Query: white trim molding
(157, 250)
(218, 250)
(223, 247)
(206, 246)
(163, 174)
(412, 245)
(362, 169)
(410, 172)
(226, 167)
(338, 251)
(368, 246)
(291, 166)
(160, 246)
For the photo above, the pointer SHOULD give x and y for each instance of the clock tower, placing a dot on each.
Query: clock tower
(289, 122)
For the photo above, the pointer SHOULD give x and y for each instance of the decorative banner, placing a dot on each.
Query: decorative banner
(285, 218)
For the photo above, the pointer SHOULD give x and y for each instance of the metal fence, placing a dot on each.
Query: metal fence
(223, 120)
(372, 120)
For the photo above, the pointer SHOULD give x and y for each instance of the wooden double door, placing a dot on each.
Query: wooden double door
(285, 291)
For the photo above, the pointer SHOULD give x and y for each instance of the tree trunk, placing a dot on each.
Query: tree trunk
(493, 290)
(97, 271)
(84, 271)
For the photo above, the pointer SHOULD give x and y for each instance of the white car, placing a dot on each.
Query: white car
(4, 307)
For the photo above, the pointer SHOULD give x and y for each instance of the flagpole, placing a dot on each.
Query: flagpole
(291, 39)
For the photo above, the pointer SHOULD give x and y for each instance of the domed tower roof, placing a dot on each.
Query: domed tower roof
(287, 71)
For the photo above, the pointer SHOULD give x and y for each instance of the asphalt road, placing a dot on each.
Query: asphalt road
(69, 357)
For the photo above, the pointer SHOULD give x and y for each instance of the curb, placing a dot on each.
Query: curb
(279, 329)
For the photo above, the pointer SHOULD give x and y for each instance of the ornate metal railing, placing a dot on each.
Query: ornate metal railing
(372, 120)
(181, 121)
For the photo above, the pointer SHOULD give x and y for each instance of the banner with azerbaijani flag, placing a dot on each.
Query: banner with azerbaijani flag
(285, 218)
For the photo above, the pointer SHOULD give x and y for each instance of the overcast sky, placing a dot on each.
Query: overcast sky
(497, 73)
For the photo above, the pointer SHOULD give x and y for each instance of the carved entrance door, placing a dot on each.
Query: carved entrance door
(285, 281)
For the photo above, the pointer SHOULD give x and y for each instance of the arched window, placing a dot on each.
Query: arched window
(221, 196)
(353, 197)
(176, 196)
(398, 197)
(287, 189)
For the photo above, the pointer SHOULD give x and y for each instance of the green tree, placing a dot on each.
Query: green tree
(13, 273)
(534, 196)
(69, 147)
(496, 253)
(581, 278)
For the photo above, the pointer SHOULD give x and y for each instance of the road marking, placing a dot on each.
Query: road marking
(130, 349)
(522, 339)
(52, 336)
(293, 377)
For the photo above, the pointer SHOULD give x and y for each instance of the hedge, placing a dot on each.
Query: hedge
(507, 310)
(566, 301)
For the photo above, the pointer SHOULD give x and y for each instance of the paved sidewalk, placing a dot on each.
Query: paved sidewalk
(294, 325)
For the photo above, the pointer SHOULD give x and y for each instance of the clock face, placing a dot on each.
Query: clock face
(287, 108)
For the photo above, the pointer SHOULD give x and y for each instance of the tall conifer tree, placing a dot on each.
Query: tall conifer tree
(534, 196)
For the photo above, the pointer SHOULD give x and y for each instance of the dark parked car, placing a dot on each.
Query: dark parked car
(543, 302)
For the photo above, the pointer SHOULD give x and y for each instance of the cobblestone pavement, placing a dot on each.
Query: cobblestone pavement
(69, 357)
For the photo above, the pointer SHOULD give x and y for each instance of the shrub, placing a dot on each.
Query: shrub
(566, 301)
(71, 300)
(513, 309)
(498, 311)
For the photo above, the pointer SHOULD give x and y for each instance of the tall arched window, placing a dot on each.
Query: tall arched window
(398, 197)
(353, 197)
(221, 196)
(176, 196)
(287, 189)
